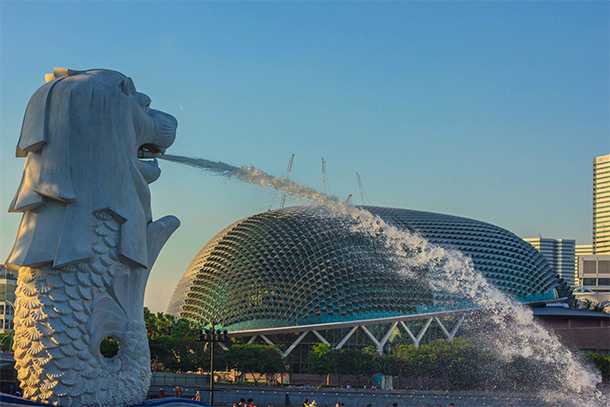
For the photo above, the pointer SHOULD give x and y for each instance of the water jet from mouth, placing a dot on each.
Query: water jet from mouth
(450, 274)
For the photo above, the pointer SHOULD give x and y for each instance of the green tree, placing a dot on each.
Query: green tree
(456, 364)
(325, 360)
(409, 355)
(174, 344)
(346, 362)
(368, 363)
(109, 347)
(255, 359)
(601, 362)
(391, 365)
(6, 341)
(528, 373)
(322, 360)
(465, 366)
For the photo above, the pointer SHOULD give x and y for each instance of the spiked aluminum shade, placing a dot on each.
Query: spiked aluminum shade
(300, 265)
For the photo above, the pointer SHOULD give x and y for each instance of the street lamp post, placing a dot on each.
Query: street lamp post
(211, 336)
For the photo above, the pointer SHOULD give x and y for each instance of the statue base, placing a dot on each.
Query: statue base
(7, 400)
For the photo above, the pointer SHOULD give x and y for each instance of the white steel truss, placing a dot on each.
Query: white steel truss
(346, 338)
(380, 344)
(417, 339)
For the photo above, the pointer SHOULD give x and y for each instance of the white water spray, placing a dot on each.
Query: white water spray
(252, 175)
(451, 274)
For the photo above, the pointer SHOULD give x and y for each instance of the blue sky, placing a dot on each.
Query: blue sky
(489, 110)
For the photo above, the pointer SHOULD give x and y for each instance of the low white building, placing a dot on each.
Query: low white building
(593, 277)
(8, 284)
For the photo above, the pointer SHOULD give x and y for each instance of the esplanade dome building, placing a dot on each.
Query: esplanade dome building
(304, 265)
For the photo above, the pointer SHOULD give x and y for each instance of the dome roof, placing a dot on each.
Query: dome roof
(304, 265)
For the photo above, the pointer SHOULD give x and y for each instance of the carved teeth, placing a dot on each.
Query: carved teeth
(149, 151)
(145, 154)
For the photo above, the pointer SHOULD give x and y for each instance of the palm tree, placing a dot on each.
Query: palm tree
(589, 305)
(6, 341)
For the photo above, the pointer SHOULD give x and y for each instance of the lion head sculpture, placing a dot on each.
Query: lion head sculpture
(89, 139)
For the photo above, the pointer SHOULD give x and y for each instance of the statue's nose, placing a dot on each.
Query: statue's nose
(164, 118)
(166, 125)
(173, 119)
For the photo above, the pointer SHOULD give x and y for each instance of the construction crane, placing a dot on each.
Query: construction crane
(288, 177)
(323, 176)
(348, 198)
(361, 188)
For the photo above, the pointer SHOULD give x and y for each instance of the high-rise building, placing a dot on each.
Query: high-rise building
(560, 255)
(601, 205)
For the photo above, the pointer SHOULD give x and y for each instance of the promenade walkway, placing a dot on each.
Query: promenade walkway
(272, 396)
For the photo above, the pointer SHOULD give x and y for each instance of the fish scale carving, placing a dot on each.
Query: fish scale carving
(58, 330)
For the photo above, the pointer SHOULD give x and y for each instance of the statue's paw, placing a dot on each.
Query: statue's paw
(158, 232)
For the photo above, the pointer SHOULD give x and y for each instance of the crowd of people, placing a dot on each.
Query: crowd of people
(306, 403)
(243, 403)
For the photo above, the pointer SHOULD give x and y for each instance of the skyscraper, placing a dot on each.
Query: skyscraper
(559, 253)
(601, 205)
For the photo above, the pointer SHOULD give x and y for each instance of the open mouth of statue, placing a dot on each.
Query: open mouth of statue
(147, 162)
(148, 152)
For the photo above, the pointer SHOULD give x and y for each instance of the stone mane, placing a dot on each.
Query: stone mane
(80, 136)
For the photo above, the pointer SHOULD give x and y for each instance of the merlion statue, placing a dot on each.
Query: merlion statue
(86, 242)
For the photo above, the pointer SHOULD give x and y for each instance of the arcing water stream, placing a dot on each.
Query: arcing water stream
(569, 382)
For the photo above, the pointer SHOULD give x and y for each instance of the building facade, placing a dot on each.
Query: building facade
(301, 265)
(560, 254)
(593, 277)
(580, 250)
(601, 205)
(590, 284)
(594, 271)
(8, 284)
(582, 330)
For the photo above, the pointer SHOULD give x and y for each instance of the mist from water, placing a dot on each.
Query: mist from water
(252, 175)
(451, 274)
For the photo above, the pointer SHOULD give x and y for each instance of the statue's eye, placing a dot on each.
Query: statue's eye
(143, 101)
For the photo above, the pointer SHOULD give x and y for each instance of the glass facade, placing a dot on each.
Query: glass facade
(302, 265)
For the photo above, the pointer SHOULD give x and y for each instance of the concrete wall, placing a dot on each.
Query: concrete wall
(595, 339)
(170, 380)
